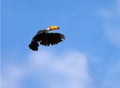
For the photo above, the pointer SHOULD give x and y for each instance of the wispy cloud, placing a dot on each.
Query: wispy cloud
(68, 70)
(12, 77)
(111, 19)
(113, 34)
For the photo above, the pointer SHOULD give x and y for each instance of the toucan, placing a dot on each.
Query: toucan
(46, 38)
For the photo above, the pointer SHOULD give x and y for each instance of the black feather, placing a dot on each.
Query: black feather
(46, 39)
(34, 45)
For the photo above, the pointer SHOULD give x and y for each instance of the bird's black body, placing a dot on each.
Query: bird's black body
(46, 39)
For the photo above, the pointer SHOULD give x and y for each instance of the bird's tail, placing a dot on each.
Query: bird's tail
(34, 45)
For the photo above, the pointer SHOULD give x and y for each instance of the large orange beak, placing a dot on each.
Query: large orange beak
(54, 27)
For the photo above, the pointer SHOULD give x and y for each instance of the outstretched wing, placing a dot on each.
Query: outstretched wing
(45, 39)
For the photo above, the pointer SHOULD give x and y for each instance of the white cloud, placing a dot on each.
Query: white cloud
(111, 19)
(12, 77)
(113, 34)
(118, 6)
(68, 70)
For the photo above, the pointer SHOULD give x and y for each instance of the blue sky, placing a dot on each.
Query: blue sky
(88, 58)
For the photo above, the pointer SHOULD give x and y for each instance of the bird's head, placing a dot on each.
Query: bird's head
(50, 28)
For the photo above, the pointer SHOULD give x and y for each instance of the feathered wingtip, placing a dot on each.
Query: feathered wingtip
(46, 39)
(62, 36)
(34, 45)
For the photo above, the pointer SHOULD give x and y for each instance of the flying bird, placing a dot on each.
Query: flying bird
(46, 38)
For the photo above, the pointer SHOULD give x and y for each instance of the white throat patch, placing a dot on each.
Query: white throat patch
(48, 29)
